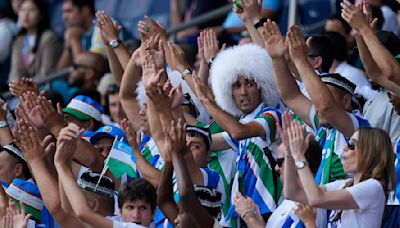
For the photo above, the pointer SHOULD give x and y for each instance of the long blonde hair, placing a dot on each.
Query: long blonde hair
(376, 157)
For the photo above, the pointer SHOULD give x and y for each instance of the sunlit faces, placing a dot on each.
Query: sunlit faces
(350, 155)
(198, 148)
(104, 145)
(246, 94)
(71, 14)
(395, 100)
(29, 15)
(137, 211)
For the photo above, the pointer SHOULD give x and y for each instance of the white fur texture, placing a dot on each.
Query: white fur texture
(249, 61)
(140, 94)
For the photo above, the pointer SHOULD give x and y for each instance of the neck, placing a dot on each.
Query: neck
(31, 31)
(357, 177)
(335, 64)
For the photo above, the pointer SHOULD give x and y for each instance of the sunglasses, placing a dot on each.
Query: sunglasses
(279, 162)
(351, 144)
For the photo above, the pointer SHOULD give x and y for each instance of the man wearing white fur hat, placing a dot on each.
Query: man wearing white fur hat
(243, 84)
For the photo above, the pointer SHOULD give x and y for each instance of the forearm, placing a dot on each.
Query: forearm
(284, 80)
(123, 56)
(226, 121)
(255, 34)
(372, 70)
(147, 170)
(252, 221)
(292, 188)
(312, 191)
(165, 195)
(383, 58)
(71, 189)
(116, 69)
(88, 156)
(187, 194)
(204, 72)
(6, 136)
(76, 47)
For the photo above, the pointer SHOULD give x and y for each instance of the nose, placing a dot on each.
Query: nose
(278, 169)
(243, 90)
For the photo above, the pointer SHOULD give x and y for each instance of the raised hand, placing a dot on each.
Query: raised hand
(67, 143)
(151, 28)
(273, 40)
(297, 142)
(48, 114)
(160, 96)
(73, 33)
(17, 88)
(178, 58)
(29, 142)
(354, 15)
(248, 9)
(132, 137)
(203, 92)
(286, 122)
(151, 75)
(28, 109)
(108, 29)
(176, 138)
(211, 44)
(19, 217)
(245, 207)
(298, 49)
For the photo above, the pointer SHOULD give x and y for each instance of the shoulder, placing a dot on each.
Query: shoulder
(268, 112)
(48, 35)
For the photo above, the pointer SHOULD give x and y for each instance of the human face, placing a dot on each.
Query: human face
(7, 168)
(143, 119)
(350, 155)
(114, 105)
(71, 14)
(281, 156)
(395, 100)
(198, 148)
(29, 15)
(138, 212)
(246, 94)
(104, 145)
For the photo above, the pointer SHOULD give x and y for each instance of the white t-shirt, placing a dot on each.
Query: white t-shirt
(117, 224)
(371, 200)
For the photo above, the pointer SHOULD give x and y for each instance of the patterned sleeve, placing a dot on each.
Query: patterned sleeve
(233, 143)
(268, 119)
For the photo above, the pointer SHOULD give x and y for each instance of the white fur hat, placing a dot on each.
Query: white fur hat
(250, 61)
(140, 94)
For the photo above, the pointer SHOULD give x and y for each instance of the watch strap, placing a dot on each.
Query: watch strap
(3, 123)
(260, 22)
(186, 72)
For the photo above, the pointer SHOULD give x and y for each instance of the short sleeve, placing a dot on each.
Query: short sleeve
(126, 225)
(366, 193)
(233, 143)
(335, 186)
(268, 120)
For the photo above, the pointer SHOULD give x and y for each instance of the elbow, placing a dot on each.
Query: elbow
(314, 202)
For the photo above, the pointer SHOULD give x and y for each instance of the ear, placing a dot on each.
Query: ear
(317, 62)
(347, 100)
(95, 205)
(18, 170)
(88, 124)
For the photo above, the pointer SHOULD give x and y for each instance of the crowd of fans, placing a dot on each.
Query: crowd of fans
(254, 128)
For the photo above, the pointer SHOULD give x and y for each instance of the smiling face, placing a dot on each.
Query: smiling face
(246, 94)
(350, 155)
(138, 212)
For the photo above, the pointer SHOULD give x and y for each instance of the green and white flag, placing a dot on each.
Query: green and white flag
(121, 161)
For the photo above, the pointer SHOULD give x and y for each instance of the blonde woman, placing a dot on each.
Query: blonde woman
(359, 201)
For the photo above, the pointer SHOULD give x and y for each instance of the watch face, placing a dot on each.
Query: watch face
(114, 43)
(300, 164)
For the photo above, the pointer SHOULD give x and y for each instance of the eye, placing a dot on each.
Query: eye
(236, 85)
(249, 83)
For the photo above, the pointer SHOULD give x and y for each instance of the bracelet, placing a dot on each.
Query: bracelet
(248, 211)
(186, 72)
(3, 123)
(260, 22)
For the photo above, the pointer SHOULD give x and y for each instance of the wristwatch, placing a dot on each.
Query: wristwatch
(260, 22)
(300, 164)
(3, 123)
(186, 72)
(114, 43)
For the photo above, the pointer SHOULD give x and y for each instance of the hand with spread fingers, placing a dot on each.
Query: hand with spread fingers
(67, 143)
(161, 95)
(17, 88)
(29, 142)
(211, 44)
(298, 49)
(273, 40)
(132, 137)
(151, 75)
(178, 58)
(19, 217)
(151, 28)
(176, 136)
(108, 29)
(354, 15)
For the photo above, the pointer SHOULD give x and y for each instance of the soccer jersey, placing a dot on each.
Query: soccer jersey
(332, 143)
(223, 162)
(255, 176)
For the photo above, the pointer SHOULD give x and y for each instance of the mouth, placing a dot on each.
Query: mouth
(244, 101)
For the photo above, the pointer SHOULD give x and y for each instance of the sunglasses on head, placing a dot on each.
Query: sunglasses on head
(351, 144)
(279, 162)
